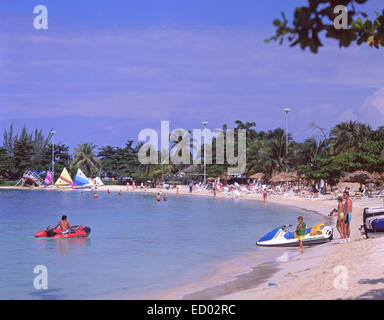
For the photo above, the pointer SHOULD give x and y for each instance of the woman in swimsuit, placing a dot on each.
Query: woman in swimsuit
(340, 217)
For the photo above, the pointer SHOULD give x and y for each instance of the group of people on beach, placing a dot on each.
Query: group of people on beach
(344, 216)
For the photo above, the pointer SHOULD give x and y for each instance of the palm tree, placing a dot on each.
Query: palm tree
(274, 156)
(346, 136)
(311, 150)
(251, 133)
(85, 158)
(178, 146)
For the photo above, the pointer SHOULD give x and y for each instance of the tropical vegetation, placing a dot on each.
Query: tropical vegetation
(347, 147)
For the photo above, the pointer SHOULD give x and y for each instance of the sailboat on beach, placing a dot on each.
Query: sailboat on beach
(48, 178)
(81, 181)
(64, 179)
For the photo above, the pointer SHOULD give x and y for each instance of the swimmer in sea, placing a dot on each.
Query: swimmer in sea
(158, 197)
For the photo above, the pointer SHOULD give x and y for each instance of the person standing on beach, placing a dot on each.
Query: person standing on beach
(301, 231)
(340, 217)
(190, 187)
(347, 216)
(265, 195)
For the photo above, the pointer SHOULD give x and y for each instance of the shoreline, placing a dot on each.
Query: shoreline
(364, 279)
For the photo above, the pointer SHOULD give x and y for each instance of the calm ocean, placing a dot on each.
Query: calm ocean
(136, 245)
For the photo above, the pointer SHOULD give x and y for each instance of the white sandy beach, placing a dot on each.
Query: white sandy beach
(307, 276)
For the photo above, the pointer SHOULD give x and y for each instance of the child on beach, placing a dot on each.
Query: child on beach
(301, 231)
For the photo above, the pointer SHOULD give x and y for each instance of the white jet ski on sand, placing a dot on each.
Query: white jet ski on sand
(280, 237)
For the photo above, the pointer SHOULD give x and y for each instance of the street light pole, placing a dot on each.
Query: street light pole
(205, 142)
(286, 110)
(53, 156)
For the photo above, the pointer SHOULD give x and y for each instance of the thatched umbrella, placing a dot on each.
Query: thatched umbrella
(282, 177)
(361, 177)
(258, 175)
(376, 177)
(225, 176)
(211, 179)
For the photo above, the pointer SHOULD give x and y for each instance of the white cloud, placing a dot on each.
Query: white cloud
(375, 102)
(347, 115)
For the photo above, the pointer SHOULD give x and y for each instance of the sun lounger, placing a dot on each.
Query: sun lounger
(379, 194)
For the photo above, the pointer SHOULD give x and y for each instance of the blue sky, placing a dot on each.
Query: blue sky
(104, 70)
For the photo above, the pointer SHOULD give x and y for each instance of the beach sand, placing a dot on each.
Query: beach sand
(312, 275)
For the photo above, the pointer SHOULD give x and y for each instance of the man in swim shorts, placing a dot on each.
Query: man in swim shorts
(64, 225)
(301, 231)
(347, 216)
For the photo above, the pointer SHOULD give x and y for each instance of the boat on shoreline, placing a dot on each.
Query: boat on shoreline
(281, 237)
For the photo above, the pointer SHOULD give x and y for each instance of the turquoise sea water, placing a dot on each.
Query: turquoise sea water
(136, 245)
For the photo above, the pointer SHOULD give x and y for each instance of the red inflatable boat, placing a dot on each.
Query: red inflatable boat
(80, 232)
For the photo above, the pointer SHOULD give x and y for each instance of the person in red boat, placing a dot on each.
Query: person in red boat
(64, 225)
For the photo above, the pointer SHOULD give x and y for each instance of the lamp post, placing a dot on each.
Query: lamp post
(286, 110)
(205, 165)
(53, 156)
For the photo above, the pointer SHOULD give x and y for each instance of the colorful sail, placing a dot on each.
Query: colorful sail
(48, 178)
(98, 182)
(64, 179)
(80, 179)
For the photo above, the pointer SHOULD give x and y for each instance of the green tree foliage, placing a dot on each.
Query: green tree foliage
(62, 158)
(22, 156)
(366, 157)
(347, 136)
(323, 169)
(318, 17)
(349, 146)
(5, 164)
(86, 159)
(123, 162)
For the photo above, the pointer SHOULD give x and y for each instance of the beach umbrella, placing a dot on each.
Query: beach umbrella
(359, 176)
(258, 175)
(211, 179)
(282, 177)
(225, 177)
(376, 177)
